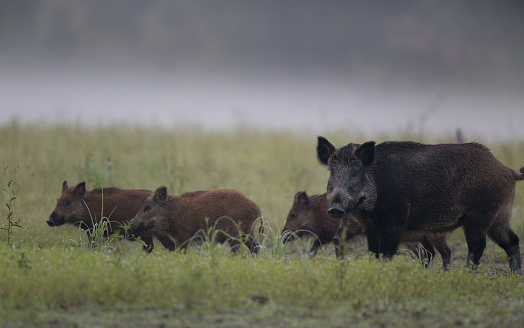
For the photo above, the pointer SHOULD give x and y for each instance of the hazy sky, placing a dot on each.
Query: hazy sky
(372, 66)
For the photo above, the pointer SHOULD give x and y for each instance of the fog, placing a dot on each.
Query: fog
(371, 67)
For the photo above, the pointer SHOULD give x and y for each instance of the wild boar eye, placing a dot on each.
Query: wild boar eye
(147, 208)
(67, 203)
(293, 216)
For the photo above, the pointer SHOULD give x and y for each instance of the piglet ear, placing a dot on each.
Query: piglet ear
(160, 196)
(301, 198)
(324, 150)
(366, 153)
(64, 186)
(80, 189)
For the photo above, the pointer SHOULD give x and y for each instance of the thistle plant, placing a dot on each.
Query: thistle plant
(12, 189)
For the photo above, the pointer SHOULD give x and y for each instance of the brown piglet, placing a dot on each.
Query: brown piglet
(229, 212)
(84, 208)
(308, 216)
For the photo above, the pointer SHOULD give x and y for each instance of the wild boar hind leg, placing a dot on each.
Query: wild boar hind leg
(251, 243)
(502, 235)
(246, 239)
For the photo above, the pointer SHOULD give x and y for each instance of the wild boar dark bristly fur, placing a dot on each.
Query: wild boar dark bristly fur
(309, 215)
(399, 189)
(81, 207)
(228, 211)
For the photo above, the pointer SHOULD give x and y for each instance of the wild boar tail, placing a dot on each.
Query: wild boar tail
(521, 175)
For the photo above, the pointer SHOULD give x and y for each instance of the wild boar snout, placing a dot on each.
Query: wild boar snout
(55, 220)
(336, 210)
(137, 227)
(50, 222)
(339, 202)
(287, 235)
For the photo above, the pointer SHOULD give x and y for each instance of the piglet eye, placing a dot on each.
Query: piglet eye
(147, 208)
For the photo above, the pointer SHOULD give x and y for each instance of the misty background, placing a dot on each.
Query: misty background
(372, 66)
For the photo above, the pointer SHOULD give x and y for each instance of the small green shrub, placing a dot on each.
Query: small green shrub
(12, 188)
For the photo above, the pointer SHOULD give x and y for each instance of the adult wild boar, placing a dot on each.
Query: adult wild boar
(81, 207)
(309, 214)
(402, 189)
(229, 212)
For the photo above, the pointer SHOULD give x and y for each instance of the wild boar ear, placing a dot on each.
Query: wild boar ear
(366, 153)
(160, 196)
(324, 150)
(80, 189)
(302, 198)
(64, 186)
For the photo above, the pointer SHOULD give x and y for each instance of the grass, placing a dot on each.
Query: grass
(49, 278)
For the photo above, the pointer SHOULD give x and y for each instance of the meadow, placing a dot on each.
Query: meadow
(49, 277)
